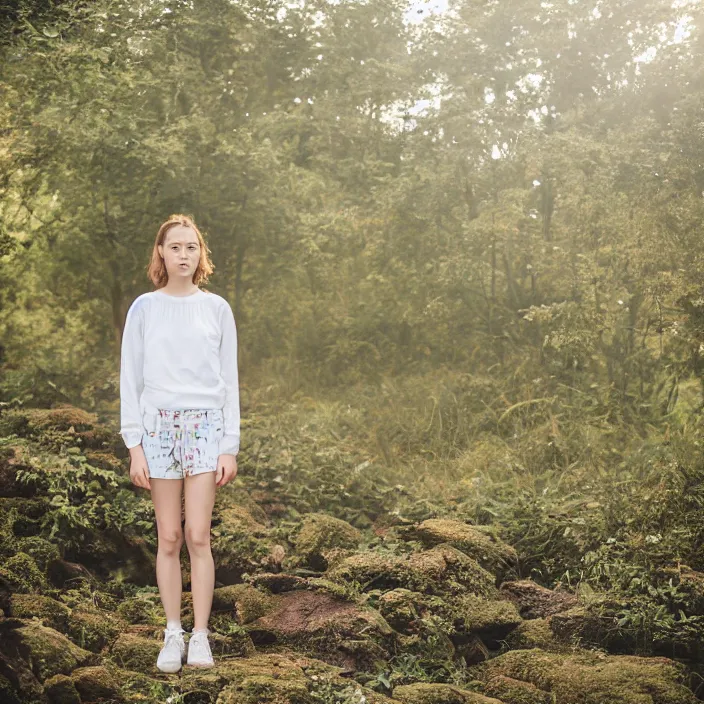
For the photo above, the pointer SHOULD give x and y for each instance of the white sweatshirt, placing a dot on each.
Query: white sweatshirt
(179, 352)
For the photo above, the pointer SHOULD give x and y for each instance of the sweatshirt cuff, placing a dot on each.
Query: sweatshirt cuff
(132, 438)
(229, 445)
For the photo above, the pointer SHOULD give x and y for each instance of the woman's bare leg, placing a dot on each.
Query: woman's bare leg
(199, 493)
(166, 495)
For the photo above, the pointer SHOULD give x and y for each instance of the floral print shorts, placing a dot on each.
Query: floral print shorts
(180, 443)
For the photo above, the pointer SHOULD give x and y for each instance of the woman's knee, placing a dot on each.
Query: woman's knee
(170, 540)
(197, 539)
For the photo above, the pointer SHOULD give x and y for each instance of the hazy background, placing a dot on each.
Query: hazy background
(463, 241)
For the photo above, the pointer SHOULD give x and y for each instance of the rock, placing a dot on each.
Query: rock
(321, 533)
(239, 541)
(436, 693)
(141, 610)
(47, 651)
(279, 582)
(459, 617)
(62, 572)
(587, 677)
(593, 625)
(95, 683)
(490, 619)
(246, 602)
(134, 652)
(512, 691)
(61, 689)
(92, 628)
(479, 542)
(49, 611)
(535, 601)
(442, 570)
(28, 421)
(535, 633)
(326, 626)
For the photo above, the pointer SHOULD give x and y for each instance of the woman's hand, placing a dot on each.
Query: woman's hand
(139, 470)
(226, 469)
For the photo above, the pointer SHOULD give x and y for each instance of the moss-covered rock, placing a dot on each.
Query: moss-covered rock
(318, 535)
(8, 694)
(403, 608)
(277, 582)
(441, 570)
(535, 633)
(36, 420)
(587, 677)
(589, 625)
(93, 629)
(479, 542)
(63, 573)
(239, 540)
(95, 683)
(138, 687)
(21, 572)
(61, 689)
(262, 689)
(246, 602)
(512, 691)
(134, 652)
(63, 425)
(457, 617)
(47, 651)
(437, 693)
(49, 611)
(535, 601)
(141, 609)
(318, 624)
(490, 619)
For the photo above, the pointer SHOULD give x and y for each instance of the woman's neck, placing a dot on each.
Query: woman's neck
(179, 289)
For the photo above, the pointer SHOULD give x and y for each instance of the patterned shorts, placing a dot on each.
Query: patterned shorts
(180, 443)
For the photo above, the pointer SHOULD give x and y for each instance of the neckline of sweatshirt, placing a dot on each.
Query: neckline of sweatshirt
(198, 295)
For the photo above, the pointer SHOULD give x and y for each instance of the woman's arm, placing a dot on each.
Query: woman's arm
(132, 376)
(230, 441)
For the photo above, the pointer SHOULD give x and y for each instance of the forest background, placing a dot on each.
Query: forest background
(463, 247)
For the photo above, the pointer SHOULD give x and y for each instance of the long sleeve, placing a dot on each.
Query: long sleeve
(230, 441)
(132, 376)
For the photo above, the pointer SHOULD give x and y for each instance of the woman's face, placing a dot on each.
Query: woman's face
(181, 251)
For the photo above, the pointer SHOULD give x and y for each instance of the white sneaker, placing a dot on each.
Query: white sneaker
(172, 653)
(199, 654)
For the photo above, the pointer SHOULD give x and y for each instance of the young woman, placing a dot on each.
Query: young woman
(180, 419)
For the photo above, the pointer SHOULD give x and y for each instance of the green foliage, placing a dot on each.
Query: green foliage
(86, 501)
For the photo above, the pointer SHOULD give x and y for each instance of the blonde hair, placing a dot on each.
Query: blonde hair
(157, 269)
